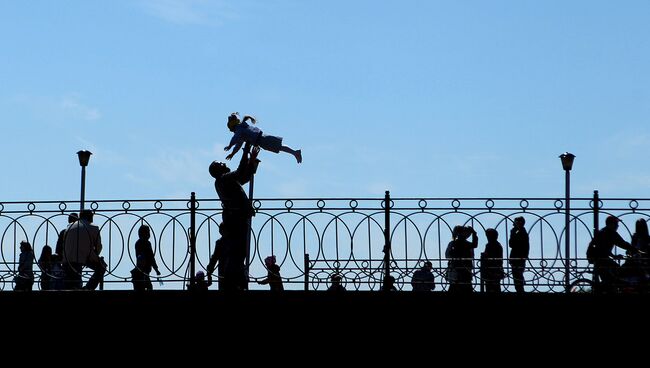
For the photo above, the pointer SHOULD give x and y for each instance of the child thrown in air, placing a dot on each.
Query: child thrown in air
(253, 135)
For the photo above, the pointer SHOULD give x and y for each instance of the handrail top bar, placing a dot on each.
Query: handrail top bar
(338, 199)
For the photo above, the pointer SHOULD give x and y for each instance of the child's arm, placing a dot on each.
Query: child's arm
(236, 141)
(234, 151)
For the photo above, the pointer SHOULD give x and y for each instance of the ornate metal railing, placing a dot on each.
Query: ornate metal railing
(314, 238)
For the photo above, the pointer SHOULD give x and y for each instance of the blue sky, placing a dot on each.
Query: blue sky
(423, 98)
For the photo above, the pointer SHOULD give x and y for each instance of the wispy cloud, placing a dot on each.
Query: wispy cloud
(192, 12)
(184, 166)
(57, 108)
(71, 105)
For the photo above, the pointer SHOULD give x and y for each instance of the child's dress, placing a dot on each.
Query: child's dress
(253, 135)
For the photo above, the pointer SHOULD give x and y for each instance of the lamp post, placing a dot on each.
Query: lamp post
(567, 164)
(84, 158)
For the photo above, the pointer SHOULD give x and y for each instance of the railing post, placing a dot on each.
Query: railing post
(192, 240)
(596, 211)
(567, 230)
(83, 189)
(306, 271)
(596, 226)
(249, 222)
(385, 286)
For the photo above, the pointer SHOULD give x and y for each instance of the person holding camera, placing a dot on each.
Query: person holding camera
(460, 254)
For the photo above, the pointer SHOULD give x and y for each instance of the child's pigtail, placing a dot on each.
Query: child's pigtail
(251, 118)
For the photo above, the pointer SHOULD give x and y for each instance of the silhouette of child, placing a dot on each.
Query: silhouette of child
(273, 277)
(200, 283)
(145, 261)
(336, 283)
(254, 136)
(45, 264)
(389, 284)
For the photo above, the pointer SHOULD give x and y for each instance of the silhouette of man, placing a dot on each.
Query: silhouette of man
(423, 279)
(460, 253)
(492, 262)
(60, 242)
(83, 245)
(604, 241)
(237, 212)
(519, 248)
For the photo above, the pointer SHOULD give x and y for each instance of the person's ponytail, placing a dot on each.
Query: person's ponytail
(251, 118)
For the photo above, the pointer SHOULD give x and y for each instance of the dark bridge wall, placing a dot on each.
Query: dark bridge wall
(306, 313)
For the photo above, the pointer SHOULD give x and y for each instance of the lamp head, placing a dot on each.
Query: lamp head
(567, 160)
(84, 157)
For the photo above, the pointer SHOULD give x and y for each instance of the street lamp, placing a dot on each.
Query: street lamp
(567, 164)
(84, 158)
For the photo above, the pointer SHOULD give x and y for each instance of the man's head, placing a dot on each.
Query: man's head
(462, 232)
(491, 234)
(86, 215)
(611, 222)
(73, 217)
(428, 265)
(519, 222)
(217, 169)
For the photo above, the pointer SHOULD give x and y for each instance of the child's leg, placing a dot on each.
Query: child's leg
(296, 153)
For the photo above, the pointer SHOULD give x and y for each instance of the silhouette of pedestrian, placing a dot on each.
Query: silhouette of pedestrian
(336, 283)
(641, 238)
(460, 254)
(228, 268)
(25, 278)
(60, 242)
(519, 249)
(389, 284)
(423, 279)
(254, 136)
(492, 262)
(237, 212)
(83, 244)
(604, 241)
(145, 261)
(273, 278)
(200, 283)
(45, 263)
